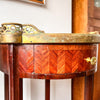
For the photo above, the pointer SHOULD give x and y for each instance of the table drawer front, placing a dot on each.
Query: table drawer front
(54, 59)
(60, 59)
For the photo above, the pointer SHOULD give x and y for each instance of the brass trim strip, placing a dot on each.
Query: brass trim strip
(31, 34)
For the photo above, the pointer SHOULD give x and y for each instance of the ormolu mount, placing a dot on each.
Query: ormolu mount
(27, 33)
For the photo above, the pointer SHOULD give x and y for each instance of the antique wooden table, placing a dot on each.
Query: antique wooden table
(47, 56)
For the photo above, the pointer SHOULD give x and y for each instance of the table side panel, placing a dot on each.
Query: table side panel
(61, 59)
(53, 59)
(23, 58)
(4, 58)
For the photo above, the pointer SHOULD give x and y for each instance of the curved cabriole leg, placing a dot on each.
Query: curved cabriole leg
(47, 89)
(89, 85)
(6, 82)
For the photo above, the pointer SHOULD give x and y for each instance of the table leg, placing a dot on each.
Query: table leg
(15, 82)
(89, 85)
(21, 88)
(16, 89)
(6, 82)
(47, 89)
(78, 84)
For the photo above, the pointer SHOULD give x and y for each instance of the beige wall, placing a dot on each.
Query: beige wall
(54, 17)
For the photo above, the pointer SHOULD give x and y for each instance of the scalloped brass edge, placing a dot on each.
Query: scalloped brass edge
(11, 24)
(33, 27)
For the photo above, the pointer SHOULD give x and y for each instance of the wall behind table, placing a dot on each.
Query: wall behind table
(54, 17)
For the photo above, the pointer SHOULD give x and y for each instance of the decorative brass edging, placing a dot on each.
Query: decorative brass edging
(27, 33)
(1, 30)
(31, 29)
(92, 60)
(17, 33)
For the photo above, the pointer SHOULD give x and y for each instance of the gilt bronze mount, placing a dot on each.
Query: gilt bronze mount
(27, 33)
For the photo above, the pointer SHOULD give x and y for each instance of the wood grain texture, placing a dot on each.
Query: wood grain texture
(23, 56)
(6, 86)
(97, 79)
(56, 76)
(95, 24)
(78, 88)
(93, 19)
(96, 12)
(61, 59)
(80, 11)
(15, 83)
(11, 73)
(89, 86)
(4, 58)
(30, 54)
(47, 89)
(80, 16)
(90, 8)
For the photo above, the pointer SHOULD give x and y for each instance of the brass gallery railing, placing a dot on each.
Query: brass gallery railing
(27, 33)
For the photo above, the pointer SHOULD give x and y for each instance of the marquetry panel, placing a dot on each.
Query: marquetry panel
(4, 58)
(53, 59)
(23, 58)
(60, 59)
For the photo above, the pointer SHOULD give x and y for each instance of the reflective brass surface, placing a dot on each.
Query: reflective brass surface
(27, 33)
(31, 29)
(12, 33)
(92, 60)
(1, 30)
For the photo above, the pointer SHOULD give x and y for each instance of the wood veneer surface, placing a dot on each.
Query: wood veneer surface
(54, 61)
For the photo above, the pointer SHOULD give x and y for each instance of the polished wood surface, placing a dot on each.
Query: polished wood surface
(29, 61)
(6, 86)
(15, 83)
(23, 67)
(97, 80)
(79, 24)
(93, 19)
(79, 16)
(4, 61)
(22, 61)
(96, 12)
(89, 86)
(51, 59)
(24, 58)
(47, 89)
(62, 59)
(78, 86)
(97, 75)
(94, 22)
